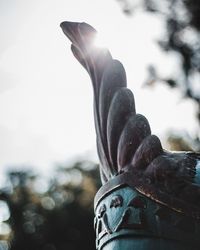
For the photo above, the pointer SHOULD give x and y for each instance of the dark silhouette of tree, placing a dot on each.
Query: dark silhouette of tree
(182, 36)
(58, 218)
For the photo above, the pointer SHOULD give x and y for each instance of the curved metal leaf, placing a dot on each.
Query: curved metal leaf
(121, 108)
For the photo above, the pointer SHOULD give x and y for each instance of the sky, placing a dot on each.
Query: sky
(45, 94)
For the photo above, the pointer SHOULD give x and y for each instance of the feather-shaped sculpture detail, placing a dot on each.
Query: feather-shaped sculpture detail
(124, 140)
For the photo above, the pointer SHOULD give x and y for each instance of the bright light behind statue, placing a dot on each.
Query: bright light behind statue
(100, 42)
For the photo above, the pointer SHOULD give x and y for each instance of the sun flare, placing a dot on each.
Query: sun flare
(100, 42)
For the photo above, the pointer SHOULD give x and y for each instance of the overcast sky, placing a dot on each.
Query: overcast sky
(46, 96)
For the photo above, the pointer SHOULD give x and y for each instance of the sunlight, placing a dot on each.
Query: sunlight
(100, 41)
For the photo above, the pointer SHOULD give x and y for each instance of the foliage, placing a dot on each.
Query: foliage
(182, 34)
(182, 142)
(56, 215)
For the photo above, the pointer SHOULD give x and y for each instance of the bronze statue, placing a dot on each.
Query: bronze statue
(150, 198)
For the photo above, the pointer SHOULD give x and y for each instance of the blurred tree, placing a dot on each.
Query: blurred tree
(182, 36)
(177, 141)
(53, 215)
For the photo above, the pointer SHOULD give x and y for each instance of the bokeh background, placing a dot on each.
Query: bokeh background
(48, 170)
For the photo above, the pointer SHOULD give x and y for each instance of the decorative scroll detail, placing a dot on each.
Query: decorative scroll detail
(121, 216)
(139, 222)
(124, 139)
(117, 201)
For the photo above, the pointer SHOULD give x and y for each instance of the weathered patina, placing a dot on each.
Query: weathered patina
(150, 198)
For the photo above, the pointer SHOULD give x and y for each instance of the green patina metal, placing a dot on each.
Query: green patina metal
(125, 219)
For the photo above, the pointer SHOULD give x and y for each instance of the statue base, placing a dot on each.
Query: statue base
(126, 219)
